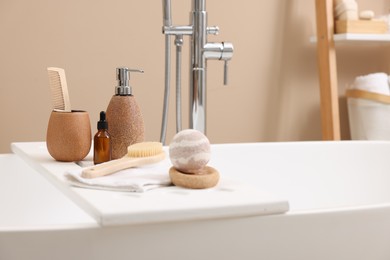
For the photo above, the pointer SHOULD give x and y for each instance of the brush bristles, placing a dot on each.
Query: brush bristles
(144, 149)
(56, 90)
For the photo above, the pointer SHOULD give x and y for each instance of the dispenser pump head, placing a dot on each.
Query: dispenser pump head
(102, 123)
(123, 77)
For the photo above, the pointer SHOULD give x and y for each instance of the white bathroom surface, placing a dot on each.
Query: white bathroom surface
(29, 202)
(228, 199)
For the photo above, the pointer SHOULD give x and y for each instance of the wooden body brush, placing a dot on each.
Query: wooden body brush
(139, 154)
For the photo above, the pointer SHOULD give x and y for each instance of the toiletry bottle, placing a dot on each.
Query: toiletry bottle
(124, 116)
(102, 141)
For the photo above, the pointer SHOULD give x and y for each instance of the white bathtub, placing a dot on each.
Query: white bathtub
(339, 195)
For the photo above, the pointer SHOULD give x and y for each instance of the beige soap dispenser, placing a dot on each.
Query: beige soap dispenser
(124, 116)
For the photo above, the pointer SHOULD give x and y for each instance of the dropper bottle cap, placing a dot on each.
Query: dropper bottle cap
(102, 123)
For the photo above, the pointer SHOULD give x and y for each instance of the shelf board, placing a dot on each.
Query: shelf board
(357, 37)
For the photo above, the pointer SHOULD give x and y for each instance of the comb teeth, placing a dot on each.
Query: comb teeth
(144, 149)
(58, 89)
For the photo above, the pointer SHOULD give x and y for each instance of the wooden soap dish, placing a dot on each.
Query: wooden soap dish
(207, 178)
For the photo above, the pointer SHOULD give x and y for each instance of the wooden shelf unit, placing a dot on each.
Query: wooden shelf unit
(327, 70)
(327, 67)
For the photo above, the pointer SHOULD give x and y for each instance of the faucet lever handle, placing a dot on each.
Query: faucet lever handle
(225, 73)
(226, 55)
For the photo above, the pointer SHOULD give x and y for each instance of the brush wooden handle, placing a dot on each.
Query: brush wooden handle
(113, 166)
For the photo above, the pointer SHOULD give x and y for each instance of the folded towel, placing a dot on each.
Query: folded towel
(376, 82)
(133, 180)
(346, 10)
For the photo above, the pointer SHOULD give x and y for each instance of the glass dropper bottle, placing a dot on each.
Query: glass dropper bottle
(102, 141)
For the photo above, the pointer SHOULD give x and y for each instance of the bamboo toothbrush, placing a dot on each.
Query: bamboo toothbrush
(138, 154)
(59, 89)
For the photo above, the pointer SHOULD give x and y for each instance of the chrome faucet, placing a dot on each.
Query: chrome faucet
(201, 51)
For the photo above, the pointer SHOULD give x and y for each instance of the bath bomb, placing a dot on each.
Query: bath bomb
(189, 151)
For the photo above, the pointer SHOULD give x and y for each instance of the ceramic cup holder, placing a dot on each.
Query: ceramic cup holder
(68, 136)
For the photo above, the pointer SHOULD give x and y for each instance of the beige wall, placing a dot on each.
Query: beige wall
(273, 93)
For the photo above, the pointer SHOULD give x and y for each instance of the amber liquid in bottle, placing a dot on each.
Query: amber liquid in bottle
(102, 141)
